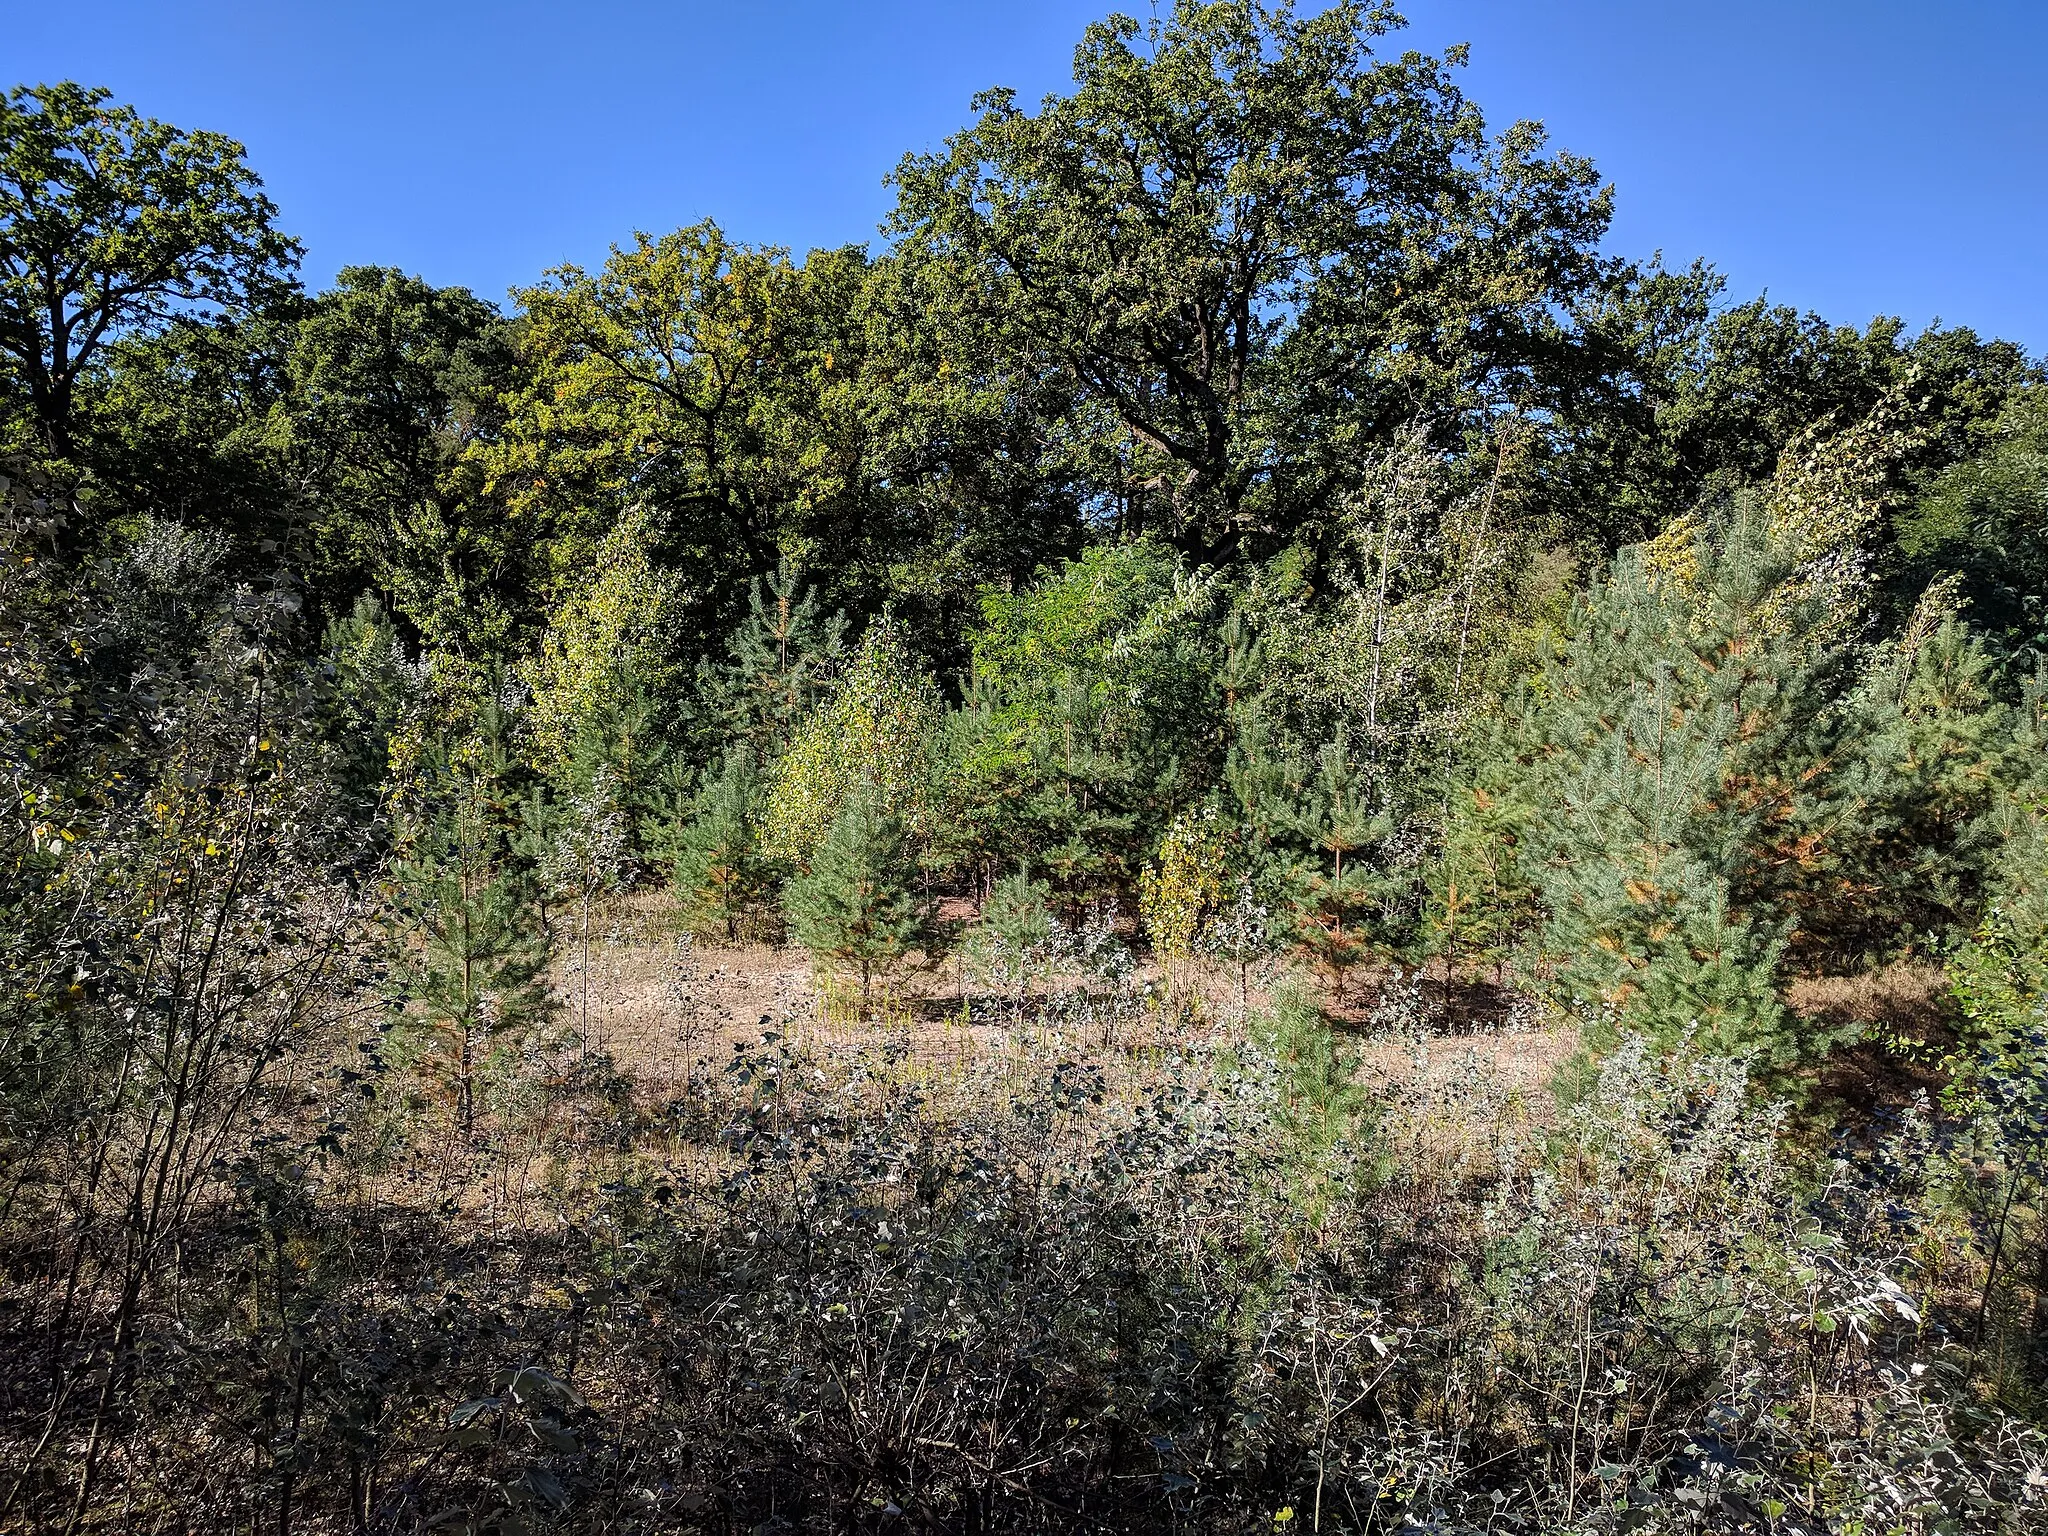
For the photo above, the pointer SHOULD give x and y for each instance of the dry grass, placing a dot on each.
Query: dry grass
(661, 1004)
(1470, 1068)
(1521, 1060)
(1900, 1017)
(1907, 995)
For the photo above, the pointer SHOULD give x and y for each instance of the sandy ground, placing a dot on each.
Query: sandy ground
(659, 1001)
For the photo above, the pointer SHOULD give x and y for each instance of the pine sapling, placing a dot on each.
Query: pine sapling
(720, 874)
(477, 951)
(856, 906)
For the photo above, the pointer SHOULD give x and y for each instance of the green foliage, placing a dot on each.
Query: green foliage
(1344, 911)
(1087, 621)
(1110, 652)
(1482, 905)
(111, 223)
(601, 646)
(872, 740)
(2000, 975)
(1986, 519)
(391, 392)
(855, 906)
(1012, 944)
(1181, 890)
(1183, 885)
(471, 945)
(1393, 633)
(980, 772)
(182, 421)
(1322, 1101)
(1706, 787)
(1235, 451)
(722, 880)
(1722, 390)
(1675, 765)
(626, 739)
(1934, 753)
(780, 663)
(1016, 913)
(1091, 707)
(1220, 235)
(373, 689)
(992, 466)
(698, 379)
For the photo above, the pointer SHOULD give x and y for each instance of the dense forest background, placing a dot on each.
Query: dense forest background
(1238, 572)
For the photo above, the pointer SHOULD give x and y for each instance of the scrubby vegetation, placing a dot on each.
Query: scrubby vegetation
(1302, 854)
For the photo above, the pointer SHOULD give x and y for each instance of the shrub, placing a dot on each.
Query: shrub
(872, 740)
(1179, 889)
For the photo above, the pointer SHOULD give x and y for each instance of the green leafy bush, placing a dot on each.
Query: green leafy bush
(873, 740)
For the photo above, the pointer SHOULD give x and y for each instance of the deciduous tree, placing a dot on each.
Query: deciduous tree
(110, 224)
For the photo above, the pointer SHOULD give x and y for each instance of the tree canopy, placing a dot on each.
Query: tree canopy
(112, 223)
(1243, 223)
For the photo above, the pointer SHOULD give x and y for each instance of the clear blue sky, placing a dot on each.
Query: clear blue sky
(1851, 156)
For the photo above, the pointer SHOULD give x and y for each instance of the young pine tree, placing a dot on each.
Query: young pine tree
(780, 661)
(1339, 891)
(1934, 748)
(855, 908)
(1010, 943)
(1078, 805)
(976, 827)
(370, 688)
(1482, 907)
(721, 878)
(475, 951)
(1681, 767)
(622, 738)
(2000, 976)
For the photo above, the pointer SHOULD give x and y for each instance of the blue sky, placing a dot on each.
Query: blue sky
(1851, 156)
